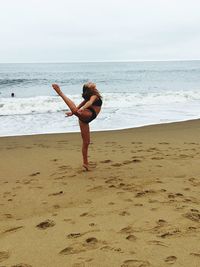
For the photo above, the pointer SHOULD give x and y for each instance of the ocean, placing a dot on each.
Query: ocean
(134, 94)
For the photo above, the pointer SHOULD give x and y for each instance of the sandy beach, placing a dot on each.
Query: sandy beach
(138, 206)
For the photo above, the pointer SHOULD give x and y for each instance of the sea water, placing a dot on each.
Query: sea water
(134, 94)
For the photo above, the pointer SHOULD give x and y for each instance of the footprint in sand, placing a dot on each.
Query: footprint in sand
(34, 174)
(64, 167)
(88, 201)
(95, 189)
(109, 248)
(180, 176)
(157, 243)
(159, 166)
(136, 161)
(111, 142)
(186, 189)
(161, 223)
(157, 158)
(54, 160)
(193, 215)
(60, 177)
(131, 238)
(46, 224)
(135, 263)
(126, 230)
(84, 214)
(169, 233)
(92, 224)
(126, 162)
(124, 213)
(195, 254)
(112, 186)
(87, 214)
(171, 259)
(152, 149)
(56, 206)
(74, 235)
(4, 255)
(120, 185)
(8, 215)
(142, 193)
(14, 229)
(192, 228)
(116, 164)
(56, 194)
(138, 205)
(112, 179)
(194, 181)
(106, 161)
(89, 244)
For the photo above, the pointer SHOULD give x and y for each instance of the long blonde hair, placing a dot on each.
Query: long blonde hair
(90, 89)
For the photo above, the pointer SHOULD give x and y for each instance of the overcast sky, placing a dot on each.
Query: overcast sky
(99, 30)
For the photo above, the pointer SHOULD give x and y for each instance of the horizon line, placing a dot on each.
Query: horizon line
(101, 61)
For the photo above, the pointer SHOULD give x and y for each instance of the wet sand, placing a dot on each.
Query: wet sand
(138, 206)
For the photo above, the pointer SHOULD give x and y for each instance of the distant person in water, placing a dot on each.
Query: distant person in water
(12, 95)
(86, 111)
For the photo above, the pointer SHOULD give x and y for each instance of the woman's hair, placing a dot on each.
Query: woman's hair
(90, 89)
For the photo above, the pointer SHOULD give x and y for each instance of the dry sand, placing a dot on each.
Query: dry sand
(138, 206)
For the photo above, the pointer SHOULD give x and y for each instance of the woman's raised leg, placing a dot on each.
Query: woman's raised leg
(84, 115)
(85, 133)
(68, 101)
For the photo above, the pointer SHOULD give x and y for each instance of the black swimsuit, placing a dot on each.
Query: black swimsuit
(98, 103)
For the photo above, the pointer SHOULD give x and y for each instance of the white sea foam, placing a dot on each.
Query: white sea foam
(52, 104)
(31, 105)
(21, 116)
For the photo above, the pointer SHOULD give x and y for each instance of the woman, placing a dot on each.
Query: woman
(86, 111)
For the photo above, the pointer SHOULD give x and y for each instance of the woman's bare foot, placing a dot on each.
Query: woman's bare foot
(86, 167)
(56, 88)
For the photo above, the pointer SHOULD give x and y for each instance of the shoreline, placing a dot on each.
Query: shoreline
(103, 131)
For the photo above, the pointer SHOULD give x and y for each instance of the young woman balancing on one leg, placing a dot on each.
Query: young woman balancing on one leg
(86, 111)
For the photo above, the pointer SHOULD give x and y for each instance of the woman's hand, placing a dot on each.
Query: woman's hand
(57, 88)
(68, 114)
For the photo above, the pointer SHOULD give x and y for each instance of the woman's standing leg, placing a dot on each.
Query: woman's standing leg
(85, 133)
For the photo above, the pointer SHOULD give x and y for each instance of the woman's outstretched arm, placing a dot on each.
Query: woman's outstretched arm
(81, 104)
(78, 107)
